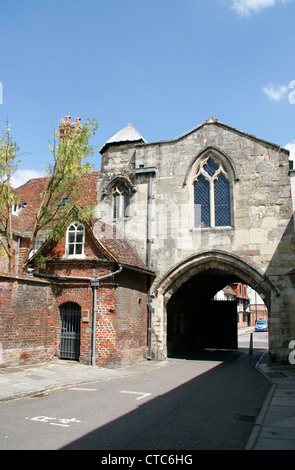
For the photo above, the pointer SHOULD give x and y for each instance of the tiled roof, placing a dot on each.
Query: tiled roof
(229, 291)
(107, 237)
(117, 247)
(30, 195)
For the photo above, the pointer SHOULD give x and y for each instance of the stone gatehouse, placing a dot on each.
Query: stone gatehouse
(205, 209)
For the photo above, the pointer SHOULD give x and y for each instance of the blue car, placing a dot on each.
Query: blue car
(261, 325)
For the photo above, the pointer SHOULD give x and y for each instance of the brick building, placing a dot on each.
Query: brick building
(98, 279)
(93, 290)
(210, 208)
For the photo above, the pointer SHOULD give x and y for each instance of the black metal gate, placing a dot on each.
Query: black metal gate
(70, 314)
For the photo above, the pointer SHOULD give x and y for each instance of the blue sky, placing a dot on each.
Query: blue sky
(163, 65)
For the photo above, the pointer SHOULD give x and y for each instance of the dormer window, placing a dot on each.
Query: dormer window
(64, 200)
(40, 239)
(17, 207)
(75, 240)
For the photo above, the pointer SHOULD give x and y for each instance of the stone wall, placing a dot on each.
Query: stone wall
(261, 234)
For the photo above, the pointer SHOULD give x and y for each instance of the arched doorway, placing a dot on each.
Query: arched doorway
(70, 315)
(193, 321)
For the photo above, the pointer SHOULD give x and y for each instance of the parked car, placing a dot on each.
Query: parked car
(261, 325)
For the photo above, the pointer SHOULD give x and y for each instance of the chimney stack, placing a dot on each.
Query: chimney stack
(67, 125)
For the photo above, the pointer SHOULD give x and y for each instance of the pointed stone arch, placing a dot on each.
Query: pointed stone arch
(116, 180)
(217, 153)
(202, 267)
(216, 260)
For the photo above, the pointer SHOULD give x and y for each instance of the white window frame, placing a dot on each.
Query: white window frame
(40, 240)
(16, 208)
(75, 243)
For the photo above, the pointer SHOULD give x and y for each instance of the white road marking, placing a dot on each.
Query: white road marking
(142, 394)
(84, 389)
(60, 421)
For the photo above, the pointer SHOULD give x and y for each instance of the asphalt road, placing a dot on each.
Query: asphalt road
(208, 402)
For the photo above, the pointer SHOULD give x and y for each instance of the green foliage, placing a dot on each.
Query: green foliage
(62, 195)
(41, 261)
(8, 166)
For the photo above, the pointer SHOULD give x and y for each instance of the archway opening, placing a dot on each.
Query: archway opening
(197, 320)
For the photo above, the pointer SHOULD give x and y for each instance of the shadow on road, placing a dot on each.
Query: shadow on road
(212, 411)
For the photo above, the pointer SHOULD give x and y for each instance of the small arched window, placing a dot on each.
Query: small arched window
(120, 201)
(212, 195)
(75, 240)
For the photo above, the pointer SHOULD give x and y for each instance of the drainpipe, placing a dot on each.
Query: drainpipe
(150, 172)
(94, 282)
(17, 256)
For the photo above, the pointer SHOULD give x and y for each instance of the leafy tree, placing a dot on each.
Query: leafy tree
(70, 147)
(8, 198)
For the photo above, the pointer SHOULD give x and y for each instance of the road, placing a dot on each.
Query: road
(207, 402)
(260, 339)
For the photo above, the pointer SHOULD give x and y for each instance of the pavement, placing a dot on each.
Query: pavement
(22, 381)
(274, 428)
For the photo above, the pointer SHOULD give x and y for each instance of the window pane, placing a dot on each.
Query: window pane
(79, 238)
(222, 202)
(125, 205)
(79, 249)
(71, 237)
(116, 203)
(211, 167)
(121, 189)
(202, 203)
(71, 249)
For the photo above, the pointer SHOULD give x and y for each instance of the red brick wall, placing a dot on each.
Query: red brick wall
(27, 321)
(131, 317)
(121, 323)
(30, 323)
(121, 326)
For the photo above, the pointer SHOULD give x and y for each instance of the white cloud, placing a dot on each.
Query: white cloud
(22, 176)
(246, 7)
(275, 93)
(291, 148)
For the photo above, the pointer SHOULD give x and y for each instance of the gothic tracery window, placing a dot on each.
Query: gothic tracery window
(120, 201)
(212, 195)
